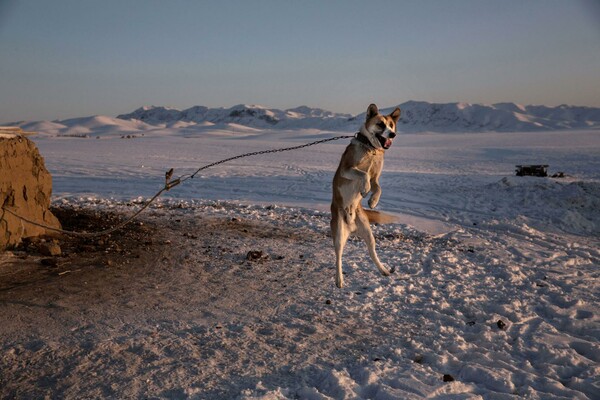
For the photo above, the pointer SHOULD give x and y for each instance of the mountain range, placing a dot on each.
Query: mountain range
(417, 116)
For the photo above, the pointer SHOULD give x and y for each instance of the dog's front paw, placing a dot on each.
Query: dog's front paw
(365, 189)
(373, 201)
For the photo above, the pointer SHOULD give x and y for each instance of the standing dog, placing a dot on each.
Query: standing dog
(357, 175)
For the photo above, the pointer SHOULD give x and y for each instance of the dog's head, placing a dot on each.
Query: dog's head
(380, 129)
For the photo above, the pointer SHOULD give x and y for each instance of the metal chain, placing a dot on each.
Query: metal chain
(256, 153)
(168, 186)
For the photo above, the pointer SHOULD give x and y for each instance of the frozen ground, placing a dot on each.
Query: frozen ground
(475, 245)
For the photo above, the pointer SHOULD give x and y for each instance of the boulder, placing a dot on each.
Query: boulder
(25, 188)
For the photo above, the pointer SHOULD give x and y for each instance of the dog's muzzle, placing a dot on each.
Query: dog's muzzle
(386, 140)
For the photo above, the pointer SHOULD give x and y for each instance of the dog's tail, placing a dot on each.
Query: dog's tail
(376, 217)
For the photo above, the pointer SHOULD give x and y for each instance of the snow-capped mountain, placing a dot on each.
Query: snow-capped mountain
(500, 117)
(417, 116)
(253, 116)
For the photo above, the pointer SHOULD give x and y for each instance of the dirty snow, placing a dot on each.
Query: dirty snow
(496, 285)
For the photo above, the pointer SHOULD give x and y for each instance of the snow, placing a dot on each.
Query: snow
(474, 245)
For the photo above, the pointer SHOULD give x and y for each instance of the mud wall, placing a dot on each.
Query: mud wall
(25, 188)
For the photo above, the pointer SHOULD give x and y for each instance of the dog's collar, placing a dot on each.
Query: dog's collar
(364, 140)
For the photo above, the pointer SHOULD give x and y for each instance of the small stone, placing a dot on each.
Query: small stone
(501, 324)
(418, 359)
(50, 249)
(328, 302)
(447, 378)
(49, 262)
(255, 255)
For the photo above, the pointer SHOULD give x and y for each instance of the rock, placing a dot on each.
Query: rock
(501, 324)
(447, 378)
(25, 188)
(255, 255)
(418, 359)
(50, 249)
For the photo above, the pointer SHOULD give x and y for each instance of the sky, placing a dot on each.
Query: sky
(73, 58)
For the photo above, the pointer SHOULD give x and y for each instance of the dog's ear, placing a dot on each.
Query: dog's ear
(395, 114)
(372, 111)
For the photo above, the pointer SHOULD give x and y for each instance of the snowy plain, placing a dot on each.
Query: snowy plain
(474, 245)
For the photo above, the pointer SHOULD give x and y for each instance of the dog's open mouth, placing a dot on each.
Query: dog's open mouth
(386, 143)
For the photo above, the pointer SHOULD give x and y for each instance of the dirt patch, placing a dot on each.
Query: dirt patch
(30, 263)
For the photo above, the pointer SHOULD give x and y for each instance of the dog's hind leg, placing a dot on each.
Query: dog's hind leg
(363, 230)
(340, 233)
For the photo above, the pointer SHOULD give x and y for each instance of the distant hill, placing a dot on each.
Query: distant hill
(500, 117)
(417, 116)
(253, 116)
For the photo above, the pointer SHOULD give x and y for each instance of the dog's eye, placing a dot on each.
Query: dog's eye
(381, 125)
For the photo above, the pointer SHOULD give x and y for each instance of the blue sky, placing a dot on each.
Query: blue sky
(61, 58)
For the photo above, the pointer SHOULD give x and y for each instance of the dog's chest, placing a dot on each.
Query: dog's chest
(371, 163)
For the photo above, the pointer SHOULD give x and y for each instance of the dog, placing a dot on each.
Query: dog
(357, 175)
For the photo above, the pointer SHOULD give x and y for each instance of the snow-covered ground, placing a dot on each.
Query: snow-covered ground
(462, 179)
(475, 245)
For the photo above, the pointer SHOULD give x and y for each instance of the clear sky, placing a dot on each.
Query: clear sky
(68, 58)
